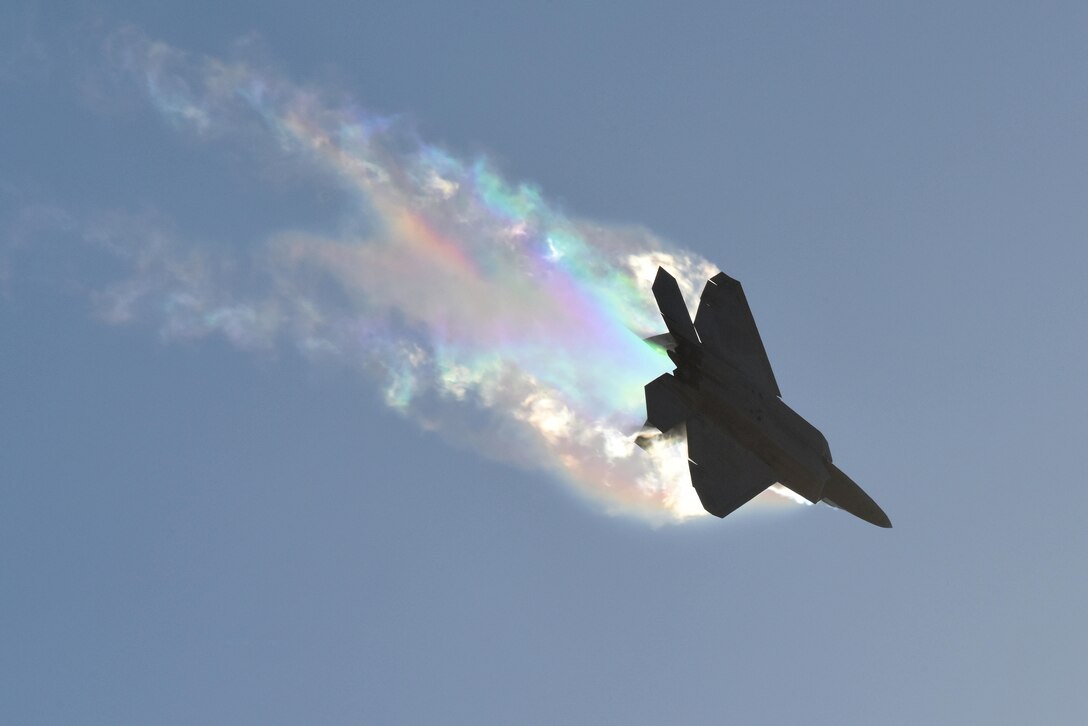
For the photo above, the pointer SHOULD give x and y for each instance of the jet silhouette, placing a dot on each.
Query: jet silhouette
(741, 436)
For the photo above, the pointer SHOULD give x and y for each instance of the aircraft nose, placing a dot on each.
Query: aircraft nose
(840, 491)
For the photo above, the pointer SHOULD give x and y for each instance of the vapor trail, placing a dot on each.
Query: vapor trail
(483, 312)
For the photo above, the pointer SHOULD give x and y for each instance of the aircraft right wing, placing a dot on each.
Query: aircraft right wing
(728, 330)
(724, 473)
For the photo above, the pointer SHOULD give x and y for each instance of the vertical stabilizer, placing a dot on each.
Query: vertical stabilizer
(673, 308)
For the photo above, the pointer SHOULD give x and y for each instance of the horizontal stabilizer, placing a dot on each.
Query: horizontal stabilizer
(666, 407)
(665, 341)
(673, 308)
(841, 492)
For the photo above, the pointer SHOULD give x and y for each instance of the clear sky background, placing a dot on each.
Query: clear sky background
(190, 533)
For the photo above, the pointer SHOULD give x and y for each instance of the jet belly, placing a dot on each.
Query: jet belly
(762, 405)
(752, 420)
(768, 430)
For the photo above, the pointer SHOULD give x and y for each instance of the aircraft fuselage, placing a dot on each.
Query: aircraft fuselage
(792, 447)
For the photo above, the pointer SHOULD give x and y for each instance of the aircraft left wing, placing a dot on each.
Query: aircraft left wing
(724, 473)
(728, 330)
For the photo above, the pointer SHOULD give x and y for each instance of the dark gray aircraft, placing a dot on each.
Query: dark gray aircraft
(741, 436)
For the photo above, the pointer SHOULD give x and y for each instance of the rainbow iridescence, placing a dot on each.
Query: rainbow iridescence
(485, 313)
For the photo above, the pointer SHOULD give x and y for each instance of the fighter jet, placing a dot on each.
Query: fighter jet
(741, 436)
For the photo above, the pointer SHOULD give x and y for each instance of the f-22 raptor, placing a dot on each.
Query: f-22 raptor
(741, 436)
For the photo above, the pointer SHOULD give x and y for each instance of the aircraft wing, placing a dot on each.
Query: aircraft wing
(728, 330)
(724, 473)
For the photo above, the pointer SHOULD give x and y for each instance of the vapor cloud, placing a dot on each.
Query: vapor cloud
(480, 309)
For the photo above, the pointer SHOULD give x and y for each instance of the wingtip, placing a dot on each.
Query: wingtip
(722, 279)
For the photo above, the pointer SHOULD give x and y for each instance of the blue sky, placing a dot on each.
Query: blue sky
(197, 531)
